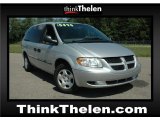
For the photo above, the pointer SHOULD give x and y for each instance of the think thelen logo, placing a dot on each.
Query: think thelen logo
(81, 8)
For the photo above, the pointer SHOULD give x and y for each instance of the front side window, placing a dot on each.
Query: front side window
(49, 31)
(80, 33)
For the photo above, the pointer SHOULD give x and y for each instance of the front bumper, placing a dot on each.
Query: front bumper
(99, 78)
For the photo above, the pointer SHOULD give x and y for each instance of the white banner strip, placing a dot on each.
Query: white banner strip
(80, 1)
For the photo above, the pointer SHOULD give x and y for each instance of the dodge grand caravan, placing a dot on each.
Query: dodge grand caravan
(78, 55)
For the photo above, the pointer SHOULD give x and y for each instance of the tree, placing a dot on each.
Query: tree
(14, 30)
(49, 19)
(18, 27)
(118, 28)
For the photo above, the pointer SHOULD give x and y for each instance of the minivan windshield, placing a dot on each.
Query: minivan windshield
(80, 33)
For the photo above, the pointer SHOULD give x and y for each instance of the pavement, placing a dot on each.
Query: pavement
(40, 85)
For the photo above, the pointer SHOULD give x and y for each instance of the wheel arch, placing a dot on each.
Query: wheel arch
(62, 61)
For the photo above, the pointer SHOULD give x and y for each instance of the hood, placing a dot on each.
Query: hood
(101, 49)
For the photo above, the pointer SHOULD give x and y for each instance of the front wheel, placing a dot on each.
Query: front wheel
(65, 79)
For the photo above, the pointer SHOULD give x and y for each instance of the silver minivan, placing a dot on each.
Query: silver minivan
(78, 55)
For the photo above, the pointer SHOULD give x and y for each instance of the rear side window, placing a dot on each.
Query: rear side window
(34, 34)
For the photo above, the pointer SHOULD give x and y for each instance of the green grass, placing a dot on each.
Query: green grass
(15, 48)
(139, 50)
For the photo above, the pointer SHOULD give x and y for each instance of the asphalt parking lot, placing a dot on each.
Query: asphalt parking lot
(40, 85)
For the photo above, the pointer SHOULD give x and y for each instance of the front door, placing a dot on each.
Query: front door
(45, 49)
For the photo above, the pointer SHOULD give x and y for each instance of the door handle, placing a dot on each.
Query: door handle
(35, 49)
(38, 50)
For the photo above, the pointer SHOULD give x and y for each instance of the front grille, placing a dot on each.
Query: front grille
(130, 65)
(129, 58)
(118, 67)
(119, 81)
(121, 63)
(113, 60)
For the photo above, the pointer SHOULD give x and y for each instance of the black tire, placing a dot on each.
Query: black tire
(72, 87)
(27, 64)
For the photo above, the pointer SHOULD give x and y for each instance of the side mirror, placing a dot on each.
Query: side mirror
(49, 39)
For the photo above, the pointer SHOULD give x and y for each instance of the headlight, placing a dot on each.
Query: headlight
(89, 62)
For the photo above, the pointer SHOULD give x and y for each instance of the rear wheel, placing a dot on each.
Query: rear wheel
(65, 79)
(27, 65)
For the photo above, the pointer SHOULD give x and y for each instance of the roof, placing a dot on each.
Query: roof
(57, 23)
